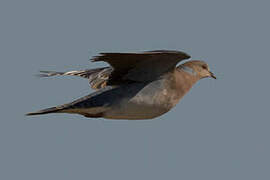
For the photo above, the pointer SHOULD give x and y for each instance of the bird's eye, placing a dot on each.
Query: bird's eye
(204, 67)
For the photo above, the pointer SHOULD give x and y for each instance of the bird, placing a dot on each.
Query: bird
(136, 86)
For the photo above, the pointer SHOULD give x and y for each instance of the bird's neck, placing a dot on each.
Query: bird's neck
(188, 70)
(185, 78)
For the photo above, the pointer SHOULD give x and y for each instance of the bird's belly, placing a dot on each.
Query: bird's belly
(135, 111)
(147, 104)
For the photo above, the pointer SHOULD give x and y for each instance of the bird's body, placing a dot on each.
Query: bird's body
(141, 95)
(144, 100)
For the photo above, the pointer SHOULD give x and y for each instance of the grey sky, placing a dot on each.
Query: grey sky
(220, 130)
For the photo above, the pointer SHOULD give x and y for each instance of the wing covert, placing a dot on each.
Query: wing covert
(142, 66)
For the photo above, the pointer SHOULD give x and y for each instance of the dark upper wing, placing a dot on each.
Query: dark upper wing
(144, 66)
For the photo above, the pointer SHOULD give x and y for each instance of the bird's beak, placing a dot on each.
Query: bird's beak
(212, 75)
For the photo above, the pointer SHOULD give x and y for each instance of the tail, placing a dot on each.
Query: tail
(45, 111)
(80, 106)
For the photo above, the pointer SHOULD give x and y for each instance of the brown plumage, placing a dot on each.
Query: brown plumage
(136, 85)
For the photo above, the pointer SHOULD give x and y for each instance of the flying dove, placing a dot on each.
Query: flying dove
(140, 85)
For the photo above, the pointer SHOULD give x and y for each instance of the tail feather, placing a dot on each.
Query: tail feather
(93, 105)
(44, 111)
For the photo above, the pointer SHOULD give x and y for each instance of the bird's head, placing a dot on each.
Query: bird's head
(197, 68)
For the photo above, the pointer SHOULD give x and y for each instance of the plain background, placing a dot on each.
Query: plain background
(220, 130)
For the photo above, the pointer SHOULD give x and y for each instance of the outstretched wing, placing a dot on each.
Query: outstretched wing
(144, 66)
(81, 73)
(126, 67)
(97, 77)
